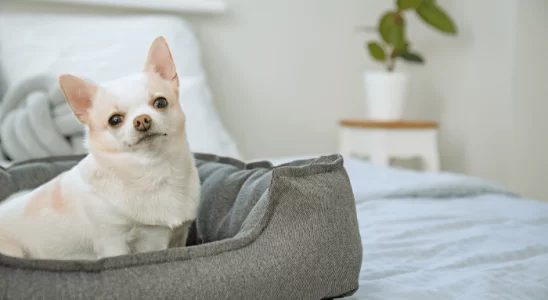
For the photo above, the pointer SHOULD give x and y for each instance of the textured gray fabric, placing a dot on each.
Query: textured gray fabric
(263, 232)
(36, 121)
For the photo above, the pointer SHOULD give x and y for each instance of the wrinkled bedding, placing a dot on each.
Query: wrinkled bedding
(446, 236)
(488, 246)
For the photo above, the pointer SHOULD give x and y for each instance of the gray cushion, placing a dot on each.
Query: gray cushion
(262, 232)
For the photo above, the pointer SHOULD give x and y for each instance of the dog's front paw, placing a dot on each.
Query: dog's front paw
(152, 238)
(111, 246)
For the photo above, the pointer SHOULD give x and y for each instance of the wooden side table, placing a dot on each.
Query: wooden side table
(382, 140)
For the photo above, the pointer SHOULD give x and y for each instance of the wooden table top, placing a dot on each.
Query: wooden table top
(397, 124)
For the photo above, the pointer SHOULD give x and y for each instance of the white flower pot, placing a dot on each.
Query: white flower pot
(385, 94)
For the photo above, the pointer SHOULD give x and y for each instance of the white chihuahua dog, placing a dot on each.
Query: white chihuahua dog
(136, 187)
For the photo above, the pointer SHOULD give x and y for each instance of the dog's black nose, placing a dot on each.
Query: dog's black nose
(142, 122)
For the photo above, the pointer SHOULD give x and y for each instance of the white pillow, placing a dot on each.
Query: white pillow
(106, 47)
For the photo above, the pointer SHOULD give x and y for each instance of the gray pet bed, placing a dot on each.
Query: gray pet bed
(263, 232)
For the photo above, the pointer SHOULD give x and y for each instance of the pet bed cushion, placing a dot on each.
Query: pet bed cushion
(262, 232)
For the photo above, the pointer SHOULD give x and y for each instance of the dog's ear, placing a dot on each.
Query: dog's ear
(79, 94)
(160, 61)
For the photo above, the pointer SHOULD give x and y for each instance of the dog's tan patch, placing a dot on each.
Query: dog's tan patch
(58, 203)
(49, 197)
(37, 203)
(10, 246)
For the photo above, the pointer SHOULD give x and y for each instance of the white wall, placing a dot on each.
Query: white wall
(530, 95)
(284, 72)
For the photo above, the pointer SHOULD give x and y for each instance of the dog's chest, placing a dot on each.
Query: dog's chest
(154, 197)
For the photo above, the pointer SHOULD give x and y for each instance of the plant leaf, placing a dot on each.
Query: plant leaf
(405, 46)
(407, 4)
(412, 57)
(392, 29)
(398, 38)
(436, 17)
(376, 51)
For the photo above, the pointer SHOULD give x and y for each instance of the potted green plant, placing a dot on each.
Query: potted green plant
(385, 90)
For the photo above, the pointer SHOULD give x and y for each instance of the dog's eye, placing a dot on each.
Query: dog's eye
(160, 102)
(115, 120)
